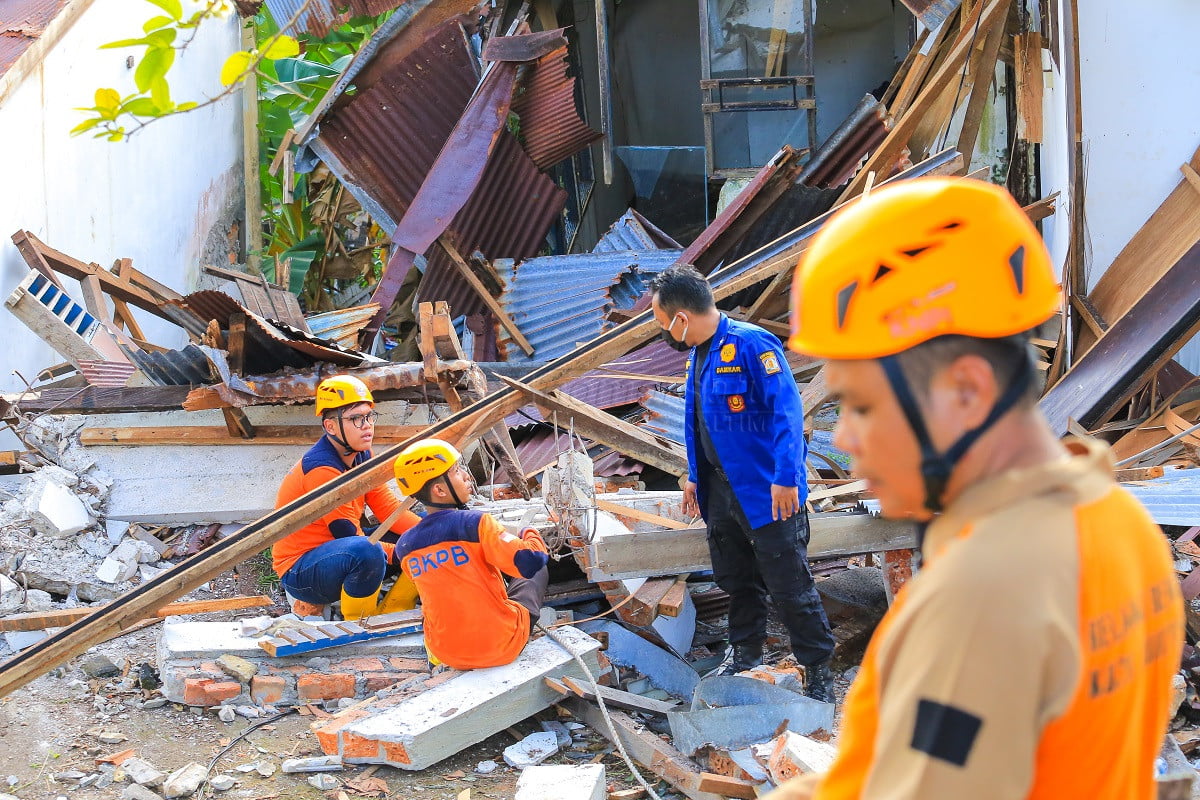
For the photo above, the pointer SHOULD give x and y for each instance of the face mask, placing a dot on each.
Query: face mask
(678, 344)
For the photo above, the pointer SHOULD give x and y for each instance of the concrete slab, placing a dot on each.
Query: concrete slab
(414, 731)
(562, 782)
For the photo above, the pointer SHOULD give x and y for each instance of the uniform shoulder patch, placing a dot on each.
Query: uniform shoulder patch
(728, 352)
(770, 362)
(945, 732)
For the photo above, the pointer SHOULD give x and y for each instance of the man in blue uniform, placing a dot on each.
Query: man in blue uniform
(746, 451)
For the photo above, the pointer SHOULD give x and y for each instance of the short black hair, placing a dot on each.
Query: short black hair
(334, 413)
(425, 494)
(1008, 357)
(682, 288)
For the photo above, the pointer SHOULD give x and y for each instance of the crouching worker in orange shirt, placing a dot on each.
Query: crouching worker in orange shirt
(456, 557)
(331, 558)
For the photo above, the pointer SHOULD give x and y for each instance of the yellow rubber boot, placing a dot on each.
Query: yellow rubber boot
(355, 608)
(401, 597)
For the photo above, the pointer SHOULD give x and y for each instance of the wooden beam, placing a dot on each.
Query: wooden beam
(262, 533)
(238, 424)
(99, 400)
(1027, 52)
(55, 619)
(643, 605)
(567, 686)
(645, 748)
(726, 786)
(93, 298)
(1138, 474)
(670, 552)
(237, 343)
(206, 435)
(884, 159)
(618, 510)
(982, 75)
(1089, 314)
(493, 305)
(674, 600)
(599, 426)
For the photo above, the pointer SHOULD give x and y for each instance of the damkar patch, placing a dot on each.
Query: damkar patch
(770, 362)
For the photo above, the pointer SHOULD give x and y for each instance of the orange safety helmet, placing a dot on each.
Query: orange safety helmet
(920, 259)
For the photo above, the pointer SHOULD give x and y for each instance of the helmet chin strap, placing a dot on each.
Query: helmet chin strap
(341, 441)
(936, 467)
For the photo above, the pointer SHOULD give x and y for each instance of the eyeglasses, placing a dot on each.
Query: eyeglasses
(360, 421)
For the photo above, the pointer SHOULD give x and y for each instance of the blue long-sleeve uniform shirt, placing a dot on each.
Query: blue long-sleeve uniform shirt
(752, 410)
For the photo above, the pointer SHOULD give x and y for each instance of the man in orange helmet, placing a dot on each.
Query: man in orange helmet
(331, 558)
(1032, 656)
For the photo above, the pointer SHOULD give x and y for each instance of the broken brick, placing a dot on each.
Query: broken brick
(359, 665)
(374, 681)
(409, 664)
(220, 691)
(193, 691)
(267, 689)
(314, 686)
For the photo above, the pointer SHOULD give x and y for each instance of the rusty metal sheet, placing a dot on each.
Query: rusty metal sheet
(106, 373)
(186, 367)
(551, 125)
(22, 22)
(632, 231)
(837, 159)
(270, 346)
(525, 46)
(449, 183)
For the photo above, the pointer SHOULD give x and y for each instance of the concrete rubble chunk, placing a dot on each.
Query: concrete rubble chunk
(226, 714)
(56, 511)
(142, 772)
(323, 782)
(115, 529)
(11, 594)
(237, 667)
(135, 791)
(37, 601)
(793, 754)
(483, 768)
(559, 730)
(222, 783)
(565, 782)
(313, 764)
(532, 750)
(113, 570)
(99, 665)
(19, 640)
(184, 781)
(415, 731)
(142, 535)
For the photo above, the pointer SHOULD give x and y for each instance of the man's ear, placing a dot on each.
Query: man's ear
(973, 382)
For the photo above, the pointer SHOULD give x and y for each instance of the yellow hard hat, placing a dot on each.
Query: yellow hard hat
(422, 461)
(920, 259)
(342, 390)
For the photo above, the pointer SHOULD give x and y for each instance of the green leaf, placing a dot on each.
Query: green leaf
(235, 67)
(282, 47)
(154, 23)
(117, 135)
(186, 106)
(86, 125)
(142, 107)
(160, 93)
(172, 7)
(107, 99)
(163, 38)
(124, 43)
(153, 67)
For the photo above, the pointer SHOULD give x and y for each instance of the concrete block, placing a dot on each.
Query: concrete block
(532, 750)
(413, 730)
(184, 781)
(11, 594)
(237, 667)
(56, 511)
(793, 754)
(113, 570)
(584, 782)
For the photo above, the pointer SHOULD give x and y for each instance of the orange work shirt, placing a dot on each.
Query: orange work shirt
(457, 559)
(320, 465)
(1031, 658)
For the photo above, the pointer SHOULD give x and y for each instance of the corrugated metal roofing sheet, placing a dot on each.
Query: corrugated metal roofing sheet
(664, 415)
(22, 22)
(341, 326)
(632, 231)
(541, 447)
(550, 122)
(319, 16)
(558, 302)
(107, 373)
(1173, 499)
(186, 367)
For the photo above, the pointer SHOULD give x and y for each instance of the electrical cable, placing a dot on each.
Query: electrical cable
(603, 712)
(249, 729)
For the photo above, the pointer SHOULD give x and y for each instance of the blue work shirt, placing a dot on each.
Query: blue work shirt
(752, 410)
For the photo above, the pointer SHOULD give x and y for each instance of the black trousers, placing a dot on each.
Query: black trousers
(530, 593)
(751, 563)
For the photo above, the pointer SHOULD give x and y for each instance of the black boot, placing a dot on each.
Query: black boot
(818, 682)
(739, 658)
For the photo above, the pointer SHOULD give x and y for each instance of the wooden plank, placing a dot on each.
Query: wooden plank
(237, 424)
(674, 600)
(643, 605)
(670, 552)
(1132, 351)
(619, 510)
(93, 298)
(1090, 315)
(1170, 232)
(854, 487)
(205, 435)
(493, 305)
(612, 697)
(459, 427)
(1138, 474)
(121, 313)
(236, 342)
(1027, 56)
(726, 786)
(599, 426)
(982, 76)
(886, 155)
(53, 619)
(100, 400)
(645, 748)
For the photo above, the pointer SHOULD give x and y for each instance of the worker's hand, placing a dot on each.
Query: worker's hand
(690, 507)
(785, 501)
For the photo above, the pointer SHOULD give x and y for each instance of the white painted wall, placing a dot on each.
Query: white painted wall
(1138, 73)
(155, 199)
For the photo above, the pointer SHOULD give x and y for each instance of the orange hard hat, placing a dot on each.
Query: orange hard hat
(919, 259)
